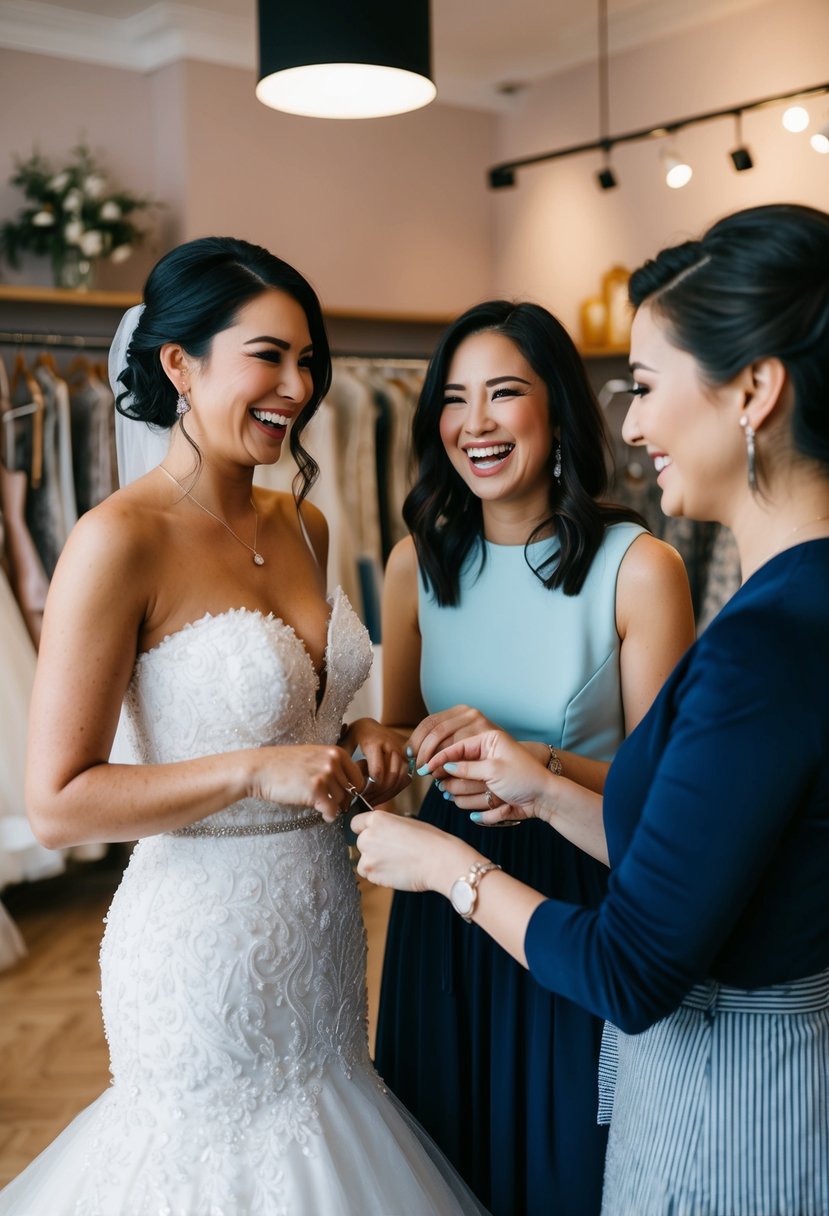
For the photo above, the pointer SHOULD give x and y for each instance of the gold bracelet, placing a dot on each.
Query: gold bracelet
(554, 763)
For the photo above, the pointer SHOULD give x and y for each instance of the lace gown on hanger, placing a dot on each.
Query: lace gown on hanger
(233, 975)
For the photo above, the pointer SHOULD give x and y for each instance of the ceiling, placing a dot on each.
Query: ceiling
(482, 49)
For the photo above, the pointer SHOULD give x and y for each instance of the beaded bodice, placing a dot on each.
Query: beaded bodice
(243, 679)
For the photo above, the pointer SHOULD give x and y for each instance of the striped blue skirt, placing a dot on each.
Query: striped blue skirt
(722, 1108)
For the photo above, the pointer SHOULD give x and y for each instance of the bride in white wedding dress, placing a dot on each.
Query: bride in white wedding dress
(233, 962)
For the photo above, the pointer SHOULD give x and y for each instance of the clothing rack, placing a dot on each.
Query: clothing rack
(71, 341)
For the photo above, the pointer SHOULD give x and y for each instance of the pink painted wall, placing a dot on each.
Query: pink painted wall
(557, 232)
(394, 214)
(51, 105)
(390, 213)
(387, 215)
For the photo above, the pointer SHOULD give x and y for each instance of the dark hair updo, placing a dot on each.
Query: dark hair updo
(445, 517)
(755, 286)
(195, 292)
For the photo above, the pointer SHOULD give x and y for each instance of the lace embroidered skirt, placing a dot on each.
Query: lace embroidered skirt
(234, 999)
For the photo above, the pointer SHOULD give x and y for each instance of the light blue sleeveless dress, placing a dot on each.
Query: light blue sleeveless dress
(502, 1073)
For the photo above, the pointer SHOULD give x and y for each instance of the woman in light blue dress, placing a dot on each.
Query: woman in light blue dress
(710, 950)
(558, 617)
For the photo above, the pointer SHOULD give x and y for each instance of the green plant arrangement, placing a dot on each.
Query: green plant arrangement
(72, 215)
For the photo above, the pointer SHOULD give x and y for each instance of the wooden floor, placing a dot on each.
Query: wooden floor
(53, 1058)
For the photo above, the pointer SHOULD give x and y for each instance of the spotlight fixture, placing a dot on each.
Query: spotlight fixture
(740, 157)
(605, 176)
(820, 140)
(795, 119)
(327, 59)
(678, 172)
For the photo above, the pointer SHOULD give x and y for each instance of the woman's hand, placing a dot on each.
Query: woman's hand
(515, 782)
(439, 730)
(311, 775)
(408, 854)
(385, 760)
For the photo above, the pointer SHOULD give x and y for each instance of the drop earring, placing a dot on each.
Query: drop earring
(182, 404)
(557, 464)
(750, 451)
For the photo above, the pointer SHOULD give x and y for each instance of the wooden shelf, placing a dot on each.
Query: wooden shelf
(604, 352)
(397, 318)
(125, 299)
(62, 295)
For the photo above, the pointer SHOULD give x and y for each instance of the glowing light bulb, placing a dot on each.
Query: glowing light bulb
(820, 140)
(795, 119)
(678, 172)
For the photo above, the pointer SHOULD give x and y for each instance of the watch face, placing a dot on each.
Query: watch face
(462, 896)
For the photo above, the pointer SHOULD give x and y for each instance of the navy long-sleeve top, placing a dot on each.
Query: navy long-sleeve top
(716, 811)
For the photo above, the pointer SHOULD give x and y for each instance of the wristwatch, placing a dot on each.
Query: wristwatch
(463, 894)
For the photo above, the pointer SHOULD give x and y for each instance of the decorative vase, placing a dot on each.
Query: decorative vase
(72, 270)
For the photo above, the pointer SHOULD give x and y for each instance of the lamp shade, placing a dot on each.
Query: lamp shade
(332, 59)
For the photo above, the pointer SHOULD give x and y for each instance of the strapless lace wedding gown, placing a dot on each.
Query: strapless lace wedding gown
(233, 975)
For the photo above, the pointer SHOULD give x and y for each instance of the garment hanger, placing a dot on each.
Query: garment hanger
(79, 370)
(46, 359)
(21, 372)
(5, 390)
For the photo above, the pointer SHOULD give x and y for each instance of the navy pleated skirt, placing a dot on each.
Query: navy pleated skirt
(500, 1072)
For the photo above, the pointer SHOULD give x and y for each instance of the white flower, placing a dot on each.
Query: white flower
(73, 231)
(59, 182)
(94, 185)
(73, 200)
(91, 243)
(43, 219)
(120, 253)
(110, 210)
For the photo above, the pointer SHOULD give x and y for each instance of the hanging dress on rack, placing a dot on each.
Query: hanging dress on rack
(22, 858)
(26, 572)
(93, 434)
(34, 450)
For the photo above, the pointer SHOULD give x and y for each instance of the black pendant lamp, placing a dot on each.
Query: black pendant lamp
(345, 58)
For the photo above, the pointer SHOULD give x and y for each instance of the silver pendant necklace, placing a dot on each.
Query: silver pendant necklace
(258, 559)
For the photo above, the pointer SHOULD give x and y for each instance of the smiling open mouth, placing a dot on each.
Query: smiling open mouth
(489, 457)
(271, 418)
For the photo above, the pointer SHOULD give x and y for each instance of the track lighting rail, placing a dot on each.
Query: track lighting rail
(503, 175)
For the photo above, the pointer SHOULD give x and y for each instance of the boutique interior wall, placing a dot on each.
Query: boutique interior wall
(394, 215)
(391, 215)
(556, 232)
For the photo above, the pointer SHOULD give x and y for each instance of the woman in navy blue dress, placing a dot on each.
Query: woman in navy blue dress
(710, 950)
(521, 594)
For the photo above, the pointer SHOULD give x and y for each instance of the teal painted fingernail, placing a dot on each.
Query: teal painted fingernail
(477, 816)
(448, 796)
(409, 751)
(439, 784)
(450, 767)
(423, 771)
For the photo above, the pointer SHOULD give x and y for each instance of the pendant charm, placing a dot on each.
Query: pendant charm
(258, 559)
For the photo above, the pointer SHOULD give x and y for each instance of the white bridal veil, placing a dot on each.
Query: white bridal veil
(140, 446)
